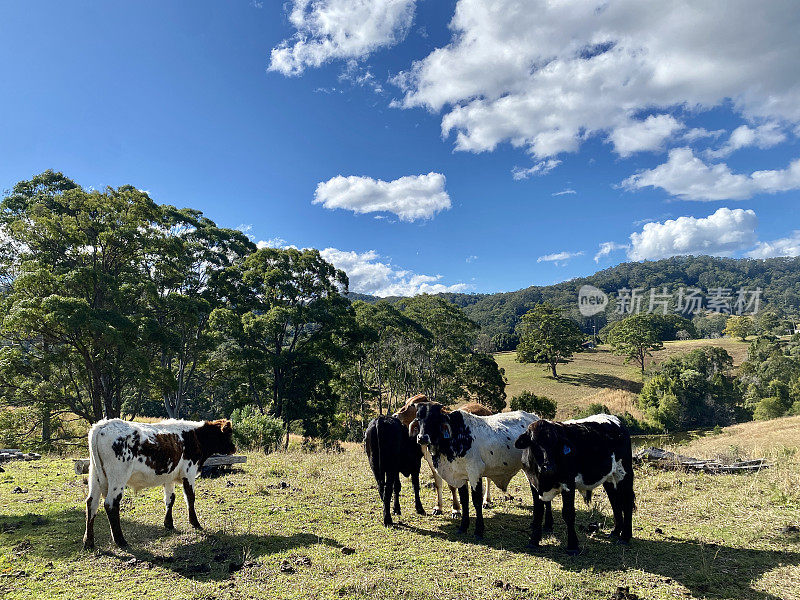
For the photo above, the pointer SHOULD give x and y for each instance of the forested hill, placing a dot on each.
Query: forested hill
(778, 278)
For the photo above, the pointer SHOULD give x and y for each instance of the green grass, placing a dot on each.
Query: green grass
(695, 536)
(598, 375)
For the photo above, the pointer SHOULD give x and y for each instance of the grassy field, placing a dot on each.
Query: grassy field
(598, 375)
(296, 525)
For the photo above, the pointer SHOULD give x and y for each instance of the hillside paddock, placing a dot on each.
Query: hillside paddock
(598, 375)
(297, 525)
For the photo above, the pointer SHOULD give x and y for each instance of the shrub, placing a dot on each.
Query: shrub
(530, 402)
(254, 429)
(595, 408)
(769, 408)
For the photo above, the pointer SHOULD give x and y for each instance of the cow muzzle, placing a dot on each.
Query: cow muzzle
(423, 440)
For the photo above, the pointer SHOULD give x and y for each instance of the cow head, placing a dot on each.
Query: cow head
(546, 454)
(216, 437)
(432, 425)
(409, 410)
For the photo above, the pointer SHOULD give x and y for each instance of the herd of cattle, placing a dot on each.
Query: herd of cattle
(465, 446)
(462, 447)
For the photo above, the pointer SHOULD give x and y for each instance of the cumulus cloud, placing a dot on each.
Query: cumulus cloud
(559, 258)
(763, 136)
(547, 75)
(368, 274)
(686, 176)
(340, 29)
(606, 248)
(788, 246)
(410, 198)
(276, 242)
(724, 232)
(639, 136)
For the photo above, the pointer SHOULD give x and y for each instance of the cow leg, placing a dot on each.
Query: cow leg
(548, 517)
(463, 493)
(487, 497)
(627, 497)
(568, 512)
(113, 500)
(437, 482)
(417, 502)
(615, 499)
(387, 498)
(92, 504)
(477, 502)
(397, 493)
(188, 495)
(456, 512)
(169, 500)
(536, 525)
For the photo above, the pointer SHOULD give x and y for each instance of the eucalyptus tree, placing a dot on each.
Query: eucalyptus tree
(285, 317)
(78, 291)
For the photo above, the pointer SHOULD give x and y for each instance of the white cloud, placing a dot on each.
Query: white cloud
(721, 233)
(699, 133)
(276, 242)
(763, 136)
(369, 275)
(686, 176)
(788, 246)
(639, 136)
(565, 192)
(546, 75)
(410, 198)
(540, 168)
(340, 29)
(472, 258)
(606, 248)
(559, 258)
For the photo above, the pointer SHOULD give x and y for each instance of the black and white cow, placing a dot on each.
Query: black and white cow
(579, 455)
(465, 447)
(140, 455)
(391, 451)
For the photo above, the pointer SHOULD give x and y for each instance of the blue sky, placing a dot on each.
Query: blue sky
(486, 145)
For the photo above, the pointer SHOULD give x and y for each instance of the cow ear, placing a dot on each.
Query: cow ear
(447, 431)
(413, 428)
(226, 426)
(523, 441)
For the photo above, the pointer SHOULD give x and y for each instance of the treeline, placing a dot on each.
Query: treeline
(115, 306)
(499, 314)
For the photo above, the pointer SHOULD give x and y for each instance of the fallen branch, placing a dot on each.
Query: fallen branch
(664, 459)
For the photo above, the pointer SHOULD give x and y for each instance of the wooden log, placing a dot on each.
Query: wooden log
(82, 464)
(671, 461)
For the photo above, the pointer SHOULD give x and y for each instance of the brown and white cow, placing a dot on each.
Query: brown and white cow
(407, 414)
(140, 455)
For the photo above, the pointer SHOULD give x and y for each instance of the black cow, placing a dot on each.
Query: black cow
(580, 454)
(391, 451)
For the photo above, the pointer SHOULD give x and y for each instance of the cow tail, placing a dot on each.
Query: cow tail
(95, 460)
(378, 446)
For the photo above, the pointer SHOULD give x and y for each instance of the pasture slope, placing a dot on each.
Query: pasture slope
(296, 525)
(598, 375)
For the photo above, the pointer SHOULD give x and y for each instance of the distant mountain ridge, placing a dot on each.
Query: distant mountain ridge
(778, 278)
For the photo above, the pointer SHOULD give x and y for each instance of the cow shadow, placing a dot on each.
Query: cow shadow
(707, 570)
(203, 555)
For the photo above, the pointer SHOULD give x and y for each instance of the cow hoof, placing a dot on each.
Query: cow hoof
(488, 504)
(121, 543)
(388, 522)
(573, 551)
(478, 536)
(622, 542)
(436, 511)
(197, 526)
(169, 526)
(462, 530)
(88, 545)
(396, 511)
(533, 545)
(455, 514)
(420, 511)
